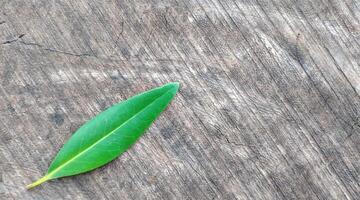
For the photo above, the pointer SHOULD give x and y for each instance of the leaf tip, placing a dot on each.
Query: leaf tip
(38, 182)
(176, 85)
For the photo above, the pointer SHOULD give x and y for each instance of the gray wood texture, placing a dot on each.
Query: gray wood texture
(268, 108)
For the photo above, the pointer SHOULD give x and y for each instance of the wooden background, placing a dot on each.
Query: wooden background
(268, 108)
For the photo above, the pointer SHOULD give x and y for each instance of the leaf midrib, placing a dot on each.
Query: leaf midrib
(102, 138)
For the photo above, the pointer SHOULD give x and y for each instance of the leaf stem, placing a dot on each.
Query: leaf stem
(38, 182)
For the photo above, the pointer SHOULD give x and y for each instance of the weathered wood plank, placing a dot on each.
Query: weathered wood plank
(268, 108)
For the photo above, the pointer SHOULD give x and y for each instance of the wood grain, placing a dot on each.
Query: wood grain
(268, 108)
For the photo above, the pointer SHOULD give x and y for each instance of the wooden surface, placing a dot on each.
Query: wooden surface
(268, 108)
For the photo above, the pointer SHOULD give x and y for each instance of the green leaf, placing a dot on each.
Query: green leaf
(109, 134)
